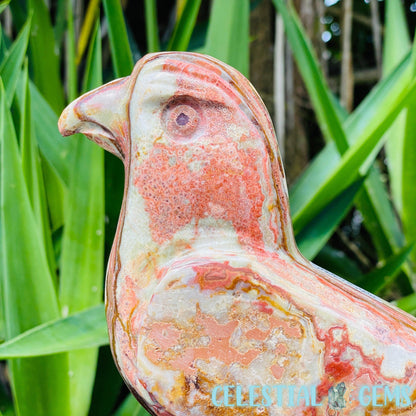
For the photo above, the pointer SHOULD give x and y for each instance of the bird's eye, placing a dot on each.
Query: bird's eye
(181, 120)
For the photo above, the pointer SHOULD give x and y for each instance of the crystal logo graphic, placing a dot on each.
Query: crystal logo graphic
(336, 399)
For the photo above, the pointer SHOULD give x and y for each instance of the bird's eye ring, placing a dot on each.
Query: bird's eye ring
(181, 120)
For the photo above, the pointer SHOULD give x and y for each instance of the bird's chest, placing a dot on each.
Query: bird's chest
(214, 324)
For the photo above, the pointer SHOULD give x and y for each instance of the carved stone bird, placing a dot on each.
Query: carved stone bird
(211, 308)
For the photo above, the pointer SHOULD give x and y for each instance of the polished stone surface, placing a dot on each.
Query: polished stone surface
(205, 285)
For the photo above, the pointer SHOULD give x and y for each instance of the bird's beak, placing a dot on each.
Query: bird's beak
(102, 115)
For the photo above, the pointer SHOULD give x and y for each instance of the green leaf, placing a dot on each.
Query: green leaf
(60, 21)
(82, 256)
(380, 220)
(152, 31)
(29, 296)
(380, 278)
(120, 49)
(409, 178)
(44, 56)
(87, 28)
(130, 407)
(379, 103)
(82, 246)
(228, 33)
(56, 155)
(10, 67)
(107, 386)
(3, 5)
(396, 46)
(184, 26)
(78, 331)
(318, 170)
(364, 149)
(71, 67)
(6, 403)
(407, 303)
(53, 146)
(93, 76)
(32, 170)
(314, 236)
(338, 262)
(319, 92)
(374, 200)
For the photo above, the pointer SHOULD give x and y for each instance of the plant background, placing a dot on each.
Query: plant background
(339, 79)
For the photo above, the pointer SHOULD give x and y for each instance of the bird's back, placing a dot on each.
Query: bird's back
(227, 335)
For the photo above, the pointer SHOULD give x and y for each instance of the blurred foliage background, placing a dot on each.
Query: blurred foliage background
(339, 79)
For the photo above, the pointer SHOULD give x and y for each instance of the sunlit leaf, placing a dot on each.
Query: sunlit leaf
(396, 46)
(44, 55)
(130, 407)
(373, 201)
(29, 296)
(368, 128)
(409, 177)
(407, 303)
(78, 331)
(228, 33)
(10, 67)
(53, 146)
(152, 31)
(87, 29)
(82, 262)
(56, 155)
(184, 26)
(3, 5)
(32, 170)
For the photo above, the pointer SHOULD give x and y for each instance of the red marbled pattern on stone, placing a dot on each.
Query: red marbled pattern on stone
(205, 285)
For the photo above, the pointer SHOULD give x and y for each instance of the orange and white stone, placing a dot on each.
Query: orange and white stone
(205, 285)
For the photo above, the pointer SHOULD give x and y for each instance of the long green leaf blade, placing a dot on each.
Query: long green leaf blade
(71, 67)
(78, 331)
(3, 5)
(184, 26)
(120, 48)
(362, 152)
(407, 303)
(28, 296)
(56, 155)
(32, 170)
(130, 407)
(396, 46)
(228, 33)
(152, 31)
(53, 146)
(409, 178)
(82, 257)
(319, 91)
(379, 216)
(374, 201)
(380, 278)
(314, 236)
(10, 67)
(44, 57)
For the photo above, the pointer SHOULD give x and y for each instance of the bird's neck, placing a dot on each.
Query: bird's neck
(158, 234)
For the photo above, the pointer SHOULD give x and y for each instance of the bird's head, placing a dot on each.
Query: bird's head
(198, 146)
